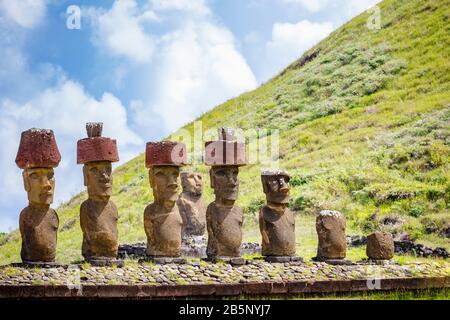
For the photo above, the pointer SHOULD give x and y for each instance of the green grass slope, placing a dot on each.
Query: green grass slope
(364, 121)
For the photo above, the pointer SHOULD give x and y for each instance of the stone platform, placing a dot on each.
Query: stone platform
(198, 278)
(193, 246)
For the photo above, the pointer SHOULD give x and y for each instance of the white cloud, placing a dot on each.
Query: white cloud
(354, 7)
(195, 63)
(121, 30)
(310, 5)
(65, 109)
(26, 13)
(200, 67)
(197, 7)
(289, 41)
(349, 7)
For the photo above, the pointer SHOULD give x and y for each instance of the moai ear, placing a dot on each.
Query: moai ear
(264, 184)
(85, 177)
(26, 182)
(211, 177)
(151, 177)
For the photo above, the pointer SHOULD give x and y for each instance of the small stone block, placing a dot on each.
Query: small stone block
(283, 259)
(337, 262)
(37, 264)
(235, 261)
(379, 262)
(106, 262)
(163, 260)
(296, 259)
(277, 259)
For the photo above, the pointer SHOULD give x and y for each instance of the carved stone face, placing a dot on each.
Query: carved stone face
(98, 178)
(276, 188)
(225, 182)
(164, 182)
(40, 185)
(192, 183)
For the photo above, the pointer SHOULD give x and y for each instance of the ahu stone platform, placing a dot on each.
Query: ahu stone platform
(196, 279)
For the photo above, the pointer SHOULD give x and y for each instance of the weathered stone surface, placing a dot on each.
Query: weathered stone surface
(98, 222)
(224, 230)
(98, 215)
(258, 277)
(276, 221)
(380, 246)
(164, 260)
(226, 151)
(165, 153)
(106, 262)
(224, 219)
(97, 149)
(38, 149)
(38, 154)
(191, 205)
(330, 227)
(38, 228)
(162, 220)
(282, 259)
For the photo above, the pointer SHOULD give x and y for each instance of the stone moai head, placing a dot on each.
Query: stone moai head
(164, 182)
(276, 186)
(225, 182)
(97, 153)
(38, 154)
(164, 160)
(39, 183)
(192, 183)
(98, 178)
(225, 156)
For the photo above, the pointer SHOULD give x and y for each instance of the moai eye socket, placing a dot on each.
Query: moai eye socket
(221, 173)
(33, 176)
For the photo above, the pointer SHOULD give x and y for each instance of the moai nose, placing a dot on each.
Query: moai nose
(283, 186)
(47, 185)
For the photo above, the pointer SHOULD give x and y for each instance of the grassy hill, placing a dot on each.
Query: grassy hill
(364, 120)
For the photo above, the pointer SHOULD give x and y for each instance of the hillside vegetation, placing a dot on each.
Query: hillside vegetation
(364, 120)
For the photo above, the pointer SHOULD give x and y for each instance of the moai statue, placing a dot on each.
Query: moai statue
(380, 246)
(224, 219)
(332, 247)
(162, 220)
(191, 205)
(98, 214)
(276, 221)
(38, 155)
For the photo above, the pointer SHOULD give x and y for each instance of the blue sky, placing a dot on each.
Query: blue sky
(144, 68)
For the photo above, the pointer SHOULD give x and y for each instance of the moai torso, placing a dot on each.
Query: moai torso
(163, 230)
(99, 225)
(38, 228)
(330, 226)
(193, 213)
(278, 232)
(224, 230)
